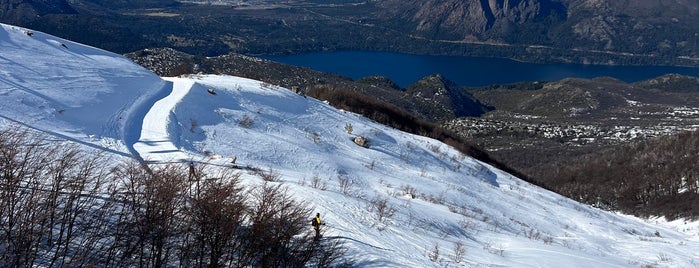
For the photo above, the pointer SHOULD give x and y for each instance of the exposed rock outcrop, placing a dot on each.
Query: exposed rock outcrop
(470, 18)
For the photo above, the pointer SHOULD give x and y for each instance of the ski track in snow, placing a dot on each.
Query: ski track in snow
(155, 143)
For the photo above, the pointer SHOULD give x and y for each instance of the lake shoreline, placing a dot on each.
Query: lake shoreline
(405, 69)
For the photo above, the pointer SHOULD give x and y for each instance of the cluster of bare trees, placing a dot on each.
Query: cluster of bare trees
(657, 177)
(62, 207)
(50, 213)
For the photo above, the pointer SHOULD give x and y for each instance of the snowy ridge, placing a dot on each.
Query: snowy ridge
(80, 92)
(440, 198)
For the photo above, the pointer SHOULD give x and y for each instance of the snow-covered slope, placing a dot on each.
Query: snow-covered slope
(439, 197)
(83, 93)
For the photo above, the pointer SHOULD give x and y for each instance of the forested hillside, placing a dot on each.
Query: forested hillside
(655, 177)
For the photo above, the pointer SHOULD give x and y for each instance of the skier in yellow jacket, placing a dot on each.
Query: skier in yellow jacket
(316, 225)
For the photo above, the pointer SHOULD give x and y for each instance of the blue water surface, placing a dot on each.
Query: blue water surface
(405, 69)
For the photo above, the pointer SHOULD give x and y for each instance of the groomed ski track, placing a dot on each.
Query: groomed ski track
(155, 143)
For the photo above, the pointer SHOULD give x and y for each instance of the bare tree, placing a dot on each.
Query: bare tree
(345, 184)
(278, 234)
(49, 209)
(76, 209)
(21, 162)
(62, 205)
(381, 208)
(459, 252)
(434, 254)
(151, 219)
(215, 218)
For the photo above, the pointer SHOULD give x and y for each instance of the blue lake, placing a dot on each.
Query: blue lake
(405, 69)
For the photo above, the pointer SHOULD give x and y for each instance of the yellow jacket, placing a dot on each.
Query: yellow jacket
(316, 222)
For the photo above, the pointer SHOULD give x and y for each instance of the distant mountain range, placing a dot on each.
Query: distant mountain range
(647, 26)
(585, 31)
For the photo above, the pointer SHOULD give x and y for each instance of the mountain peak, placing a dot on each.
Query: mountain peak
(441, 99)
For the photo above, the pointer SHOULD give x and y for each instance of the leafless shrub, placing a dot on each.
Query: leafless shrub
(663, 257)
(348, 128)
(459, 252)
(434, 254)
(22, 159)
(409, 190)
(270, 175)
(462, 156)
(246, 121)
(345, 184)
(152, 217)
(317, 183)
(495, 226)
(215, 216)
(381, 208)
(567, 244)
(631, 231)
(462, 210)
(468, 224)
(435, 148)
(278, 235)
(532, 234)
(312, 135)
(548, 240)
(371, 165)
(439, 200)
(78, 210)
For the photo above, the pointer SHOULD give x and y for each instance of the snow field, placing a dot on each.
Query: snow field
(438, 196)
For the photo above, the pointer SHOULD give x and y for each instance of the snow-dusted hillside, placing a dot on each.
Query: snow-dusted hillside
(439, 197)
